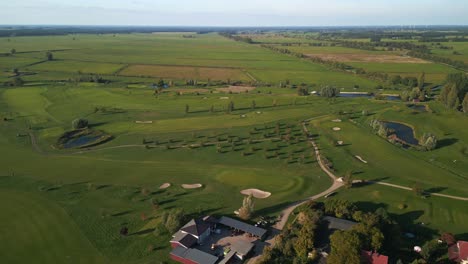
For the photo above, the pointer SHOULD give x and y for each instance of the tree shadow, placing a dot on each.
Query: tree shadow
(122, 213)
(97, 124)
(435, 190)
(446, 142)
(143, 232)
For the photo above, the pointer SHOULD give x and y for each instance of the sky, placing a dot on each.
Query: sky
(234, 12)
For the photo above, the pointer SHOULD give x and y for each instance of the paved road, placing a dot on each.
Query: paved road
(335, 186)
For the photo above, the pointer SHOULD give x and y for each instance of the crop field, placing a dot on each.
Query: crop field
(237, 128)
(185, 72)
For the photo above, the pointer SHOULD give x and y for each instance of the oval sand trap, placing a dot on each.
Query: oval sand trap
(336, 120)
(256, 193)
(336, 129)
(192, 186)
(165, 185)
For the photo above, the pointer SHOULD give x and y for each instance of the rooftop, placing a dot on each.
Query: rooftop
(339, 224)
(373, 258)
(186, 240)
(196, 227)
(194, 255)
(247, 228)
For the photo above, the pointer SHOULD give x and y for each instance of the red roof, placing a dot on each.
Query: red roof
(458, 251)
(373, 258)
(463, 250)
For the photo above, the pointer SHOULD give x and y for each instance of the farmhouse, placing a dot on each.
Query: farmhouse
(459, 252)
(369, 257)
(208, 240)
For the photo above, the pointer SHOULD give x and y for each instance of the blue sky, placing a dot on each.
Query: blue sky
(235, 12)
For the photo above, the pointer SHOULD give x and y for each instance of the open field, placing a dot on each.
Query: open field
(228, 137)
(374, 58)
(185, 72)
(43, 229)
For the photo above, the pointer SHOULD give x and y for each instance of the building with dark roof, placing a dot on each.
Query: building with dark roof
(459, 252)
(338, 224)
(244, 227)
(197, 228)
(192, 256)
(368, 257)
(183, 239)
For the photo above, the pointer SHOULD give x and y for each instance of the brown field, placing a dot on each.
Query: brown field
(188, 90)
(349, 57)
(235, 89)
(185, 72)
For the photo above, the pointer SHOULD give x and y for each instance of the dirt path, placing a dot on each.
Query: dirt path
(410, 189)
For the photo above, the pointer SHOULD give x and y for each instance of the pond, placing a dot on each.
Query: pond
(392, 97)
(419, 108)
(402, 132)
(81, 141)
(353, 95)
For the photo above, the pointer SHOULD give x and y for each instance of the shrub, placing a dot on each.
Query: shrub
(80, 123)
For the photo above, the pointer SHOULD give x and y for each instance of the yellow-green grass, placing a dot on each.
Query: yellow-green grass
(431, 170)
(185, 72)
(437, 213)
(76, 66)
(434, 72)
(37, 230)
(460, 47)
(8, 63)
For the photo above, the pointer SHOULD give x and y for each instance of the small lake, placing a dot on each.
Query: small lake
(354, 95)
(403, 132)
(392, 97)
(81, 141)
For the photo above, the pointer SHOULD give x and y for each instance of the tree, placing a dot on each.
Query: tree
(161, 83)
(429, 251)
(49, 56)
(348, 179)
(421, 80)
(418, 190)
(124, 231)
(254, 104)
(345, 247)
(230, 107)
(212, 109)
(452, 98)
(173, 219)
(154, 203)
(247, 209)
(465, 104)
(448, 238)
(15, 71)
(79, 123)
(187, 108)
(329, 91)
(13, 51)
(428, 141)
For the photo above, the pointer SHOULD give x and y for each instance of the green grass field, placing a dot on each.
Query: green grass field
(74, 201)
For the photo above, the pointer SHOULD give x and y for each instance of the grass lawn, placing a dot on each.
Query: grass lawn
(41, 231)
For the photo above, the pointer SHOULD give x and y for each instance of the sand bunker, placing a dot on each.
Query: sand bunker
(336, 120)
(192, 186)
(165, 185)
(339, 142)
(336, 129)
(256, 193)
(361, 159)
(144, 122)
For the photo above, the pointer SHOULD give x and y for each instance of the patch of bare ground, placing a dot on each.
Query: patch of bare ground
(256, 193)
(381, 58)
(192, 186)
(235, 89)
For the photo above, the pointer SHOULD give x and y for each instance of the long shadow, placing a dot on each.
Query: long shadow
(275, 208)
(122, 213)
(435, 189)
(167, 201)
(446, 142)
(143, 232)
(97, 124)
